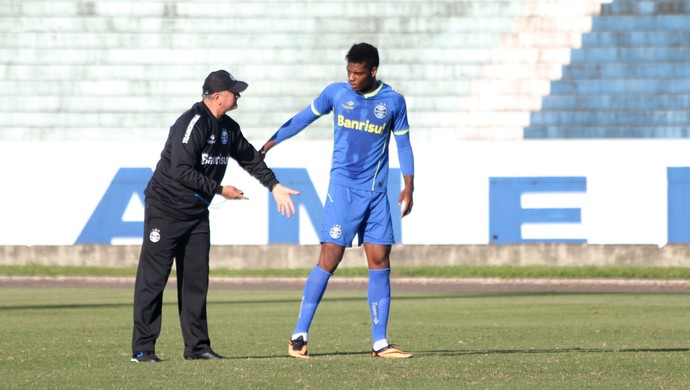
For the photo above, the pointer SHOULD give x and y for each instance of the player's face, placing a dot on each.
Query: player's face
(361, 78)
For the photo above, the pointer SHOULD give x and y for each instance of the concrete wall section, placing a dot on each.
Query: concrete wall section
(306, 256)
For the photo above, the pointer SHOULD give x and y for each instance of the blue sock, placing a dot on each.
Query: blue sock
(379, 297)
(313, 292)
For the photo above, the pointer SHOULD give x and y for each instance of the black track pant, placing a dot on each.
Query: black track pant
(188, 242)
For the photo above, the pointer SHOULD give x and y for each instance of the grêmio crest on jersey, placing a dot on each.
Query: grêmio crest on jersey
(380, 111)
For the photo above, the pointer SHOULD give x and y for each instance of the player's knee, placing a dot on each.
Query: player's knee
(381, 263)
(331, 256)
(328, 265)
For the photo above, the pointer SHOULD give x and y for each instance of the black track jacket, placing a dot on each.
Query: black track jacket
(194, 160)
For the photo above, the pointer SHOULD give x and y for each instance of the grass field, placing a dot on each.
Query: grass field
(80, 338)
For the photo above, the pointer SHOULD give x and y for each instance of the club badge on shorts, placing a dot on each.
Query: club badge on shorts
(155, 235)
(335, 232)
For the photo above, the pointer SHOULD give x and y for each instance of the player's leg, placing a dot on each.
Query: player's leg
(379, 292)
(377, 235)
(337, 233)
(314, 288)
(155, 263)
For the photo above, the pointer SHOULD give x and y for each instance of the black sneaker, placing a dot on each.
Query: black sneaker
(145, 357)
(209, 355)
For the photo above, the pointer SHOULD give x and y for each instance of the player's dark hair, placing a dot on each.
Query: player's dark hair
(363, 53)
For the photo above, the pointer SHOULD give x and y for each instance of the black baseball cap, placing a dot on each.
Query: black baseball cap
(222, 80)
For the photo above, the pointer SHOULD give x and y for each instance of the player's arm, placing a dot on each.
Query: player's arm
(320, 106)
(292, 127)
(401, 131)
(406, 160)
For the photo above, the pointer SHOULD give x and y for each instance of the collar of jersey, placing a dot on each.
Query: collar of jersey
(374, 92)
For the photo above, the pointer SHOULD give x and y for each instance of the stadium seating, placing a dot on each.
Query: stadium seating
(630, 79)
(470, 69)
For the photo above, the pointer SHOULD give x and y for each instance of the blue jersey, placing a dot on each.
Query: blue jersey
(362, 125)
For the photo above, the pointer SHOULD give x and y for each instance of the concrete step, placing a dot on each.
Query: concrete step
(267, 9)
(660, 70)
(636, 7)
(106, 89)
(324, 73)
(636, 39)
(257, 136)
(631, 55)
(637, 102)
(288, 88)
(127, 104)
(118, 105)
(642, 23)
(366, 24)
(253, 74)
(648, 87)
(603, 118)
(316, 56)
(248, 40)
(572, 132)
(269, 73)
(231, 57)
(272, 119)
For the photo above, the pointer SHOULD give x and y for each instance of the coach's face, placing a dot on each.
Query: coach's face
(227, 100)
(361, 78)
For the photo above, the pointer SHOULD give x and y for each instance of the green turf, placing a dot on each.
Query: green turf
(467, 271)
(79, 338)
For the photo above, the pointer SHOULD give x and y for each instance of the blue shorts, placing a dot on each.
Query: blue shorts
(349, 212)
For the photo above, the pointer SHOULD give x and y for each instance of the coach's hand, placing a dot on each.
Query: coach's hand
(230, 192)
(283, 197)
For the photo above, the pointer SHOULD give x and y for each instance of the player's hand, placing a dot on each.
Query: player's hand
(405, 202)
(283, 197)
(230, 192)
(264, 149)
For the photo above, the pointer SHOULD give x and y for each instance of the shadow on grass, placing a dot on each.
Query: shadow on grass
(547, 351)
(469, 352)
(297, 299)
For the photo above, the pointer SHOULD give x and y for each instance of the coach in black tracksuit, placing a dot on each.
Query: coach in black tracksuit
(176, 224)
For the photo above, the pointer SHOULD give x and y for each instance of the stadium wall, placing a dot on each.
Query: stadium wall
(538, 202)
(545, 131)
